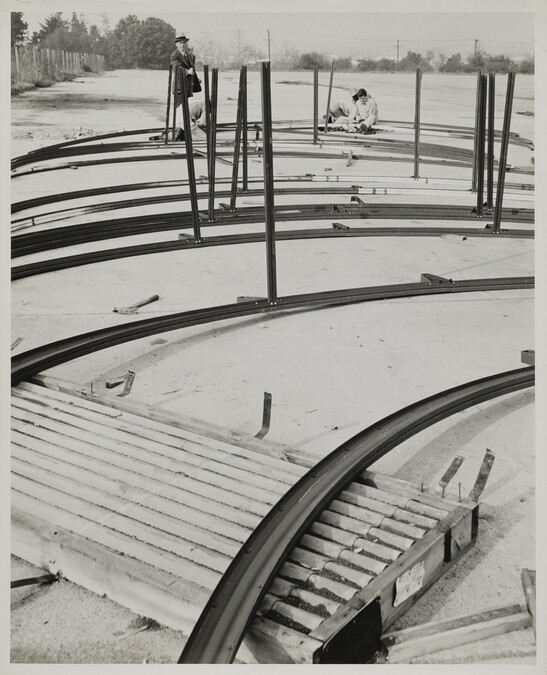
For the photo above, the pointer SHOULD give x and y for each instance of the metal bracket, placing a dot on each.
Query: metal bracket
(266, 415)
(528, 356)
(357, 641)
(129, 378)
(435, 280)
(29, 581)
(450, 472)
(17, 341)
(482, 476)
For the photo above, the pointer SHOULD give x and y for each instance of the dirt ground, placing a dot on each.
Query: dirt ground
(364, 361)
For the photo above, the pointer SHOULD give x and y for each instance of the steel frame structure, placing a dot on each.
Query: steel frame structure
(31, 362)
(60, 237)
(221, 627)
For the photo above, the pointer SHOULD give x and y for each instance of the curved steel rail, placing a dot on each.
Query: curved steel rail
(60, 237)
(229, 126)
(221, 627)
(315, 189)
(44, 266)
(395, 145)
(176, 152)
(41, 358)
(372, 183)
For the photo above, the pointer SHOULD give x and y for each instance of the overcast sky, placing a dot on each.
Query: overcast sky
(314, 25)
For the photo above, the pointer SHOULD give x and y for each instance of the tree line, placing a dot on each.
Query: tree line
(136, 43)
(412, 61)
(132, 43)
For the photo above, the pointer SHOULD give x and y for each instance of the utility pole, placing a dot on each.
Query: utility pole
(476, 44)
(398, 51)
(269, 53)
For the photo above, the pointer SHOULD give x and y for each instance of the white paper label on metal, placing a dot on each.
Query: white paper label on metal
(408, 583)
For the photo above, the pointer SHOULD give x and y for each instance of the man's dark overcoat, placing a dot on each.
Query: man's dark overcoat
(187, 60)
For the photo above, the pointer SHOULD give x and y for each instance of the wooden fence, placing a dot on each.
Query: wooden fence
(31, 64)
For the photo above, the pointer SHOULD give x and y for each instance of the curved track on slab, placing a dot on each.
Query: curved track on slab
(36, 360)
(221, 627)
(25, 244)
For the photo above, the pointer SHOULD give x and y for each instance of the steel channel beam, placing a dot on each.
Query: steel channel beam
(44, 266)
(177, 93)
(503, 151)
(336, 139)
(237, 142)
(34, 242)
(315, 105)
(221, 627)
(462, 162)
(213, 144)
(207, 118)
(417, 123)
(491, 132)
(245, 145)
(48, 150)
(70, 212)
(476, 132)
(67, 148)
(34, 202)
(328, 97)
(168, 104)
(190, 159)
(267, 163)
(31, 362)
(480, 145)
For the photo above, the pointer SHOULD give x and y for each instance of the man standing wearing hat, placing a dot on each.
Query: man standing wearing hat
(184, 58)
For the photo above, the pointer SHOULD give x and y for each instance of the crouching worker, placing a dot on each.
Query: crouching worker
(367, 111)
(344, 112)
(197, 114)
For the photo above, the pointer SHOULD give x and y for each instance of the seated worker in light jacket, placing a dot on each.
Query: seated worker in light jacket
(367, 110)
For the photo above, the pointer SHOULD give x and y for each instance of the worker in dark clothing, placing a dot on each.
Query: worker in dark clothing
(183, 57)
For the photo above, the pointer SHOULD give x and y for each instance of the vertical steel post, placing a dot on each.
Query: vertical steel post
(328, 97)
(177, 94)
(213, 123)
(503, 151)
(476, 133)
(491, 118)
(417, 124)
(237, 142)
(268, 182)
(245, 172)
(190, 159)
(480, 146)
(207, 100)
(315, 104)
(167, 114)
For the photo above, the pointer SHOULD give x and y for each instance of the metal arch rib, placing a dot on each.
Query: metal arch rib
(31, 362)
(222, 624)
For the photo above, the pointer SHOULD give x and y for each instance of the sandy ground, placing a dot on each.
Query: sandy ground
(331, 373)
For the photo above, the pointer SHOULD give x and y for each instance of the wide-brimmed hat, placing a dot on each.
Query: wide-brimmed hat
(181, 37)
